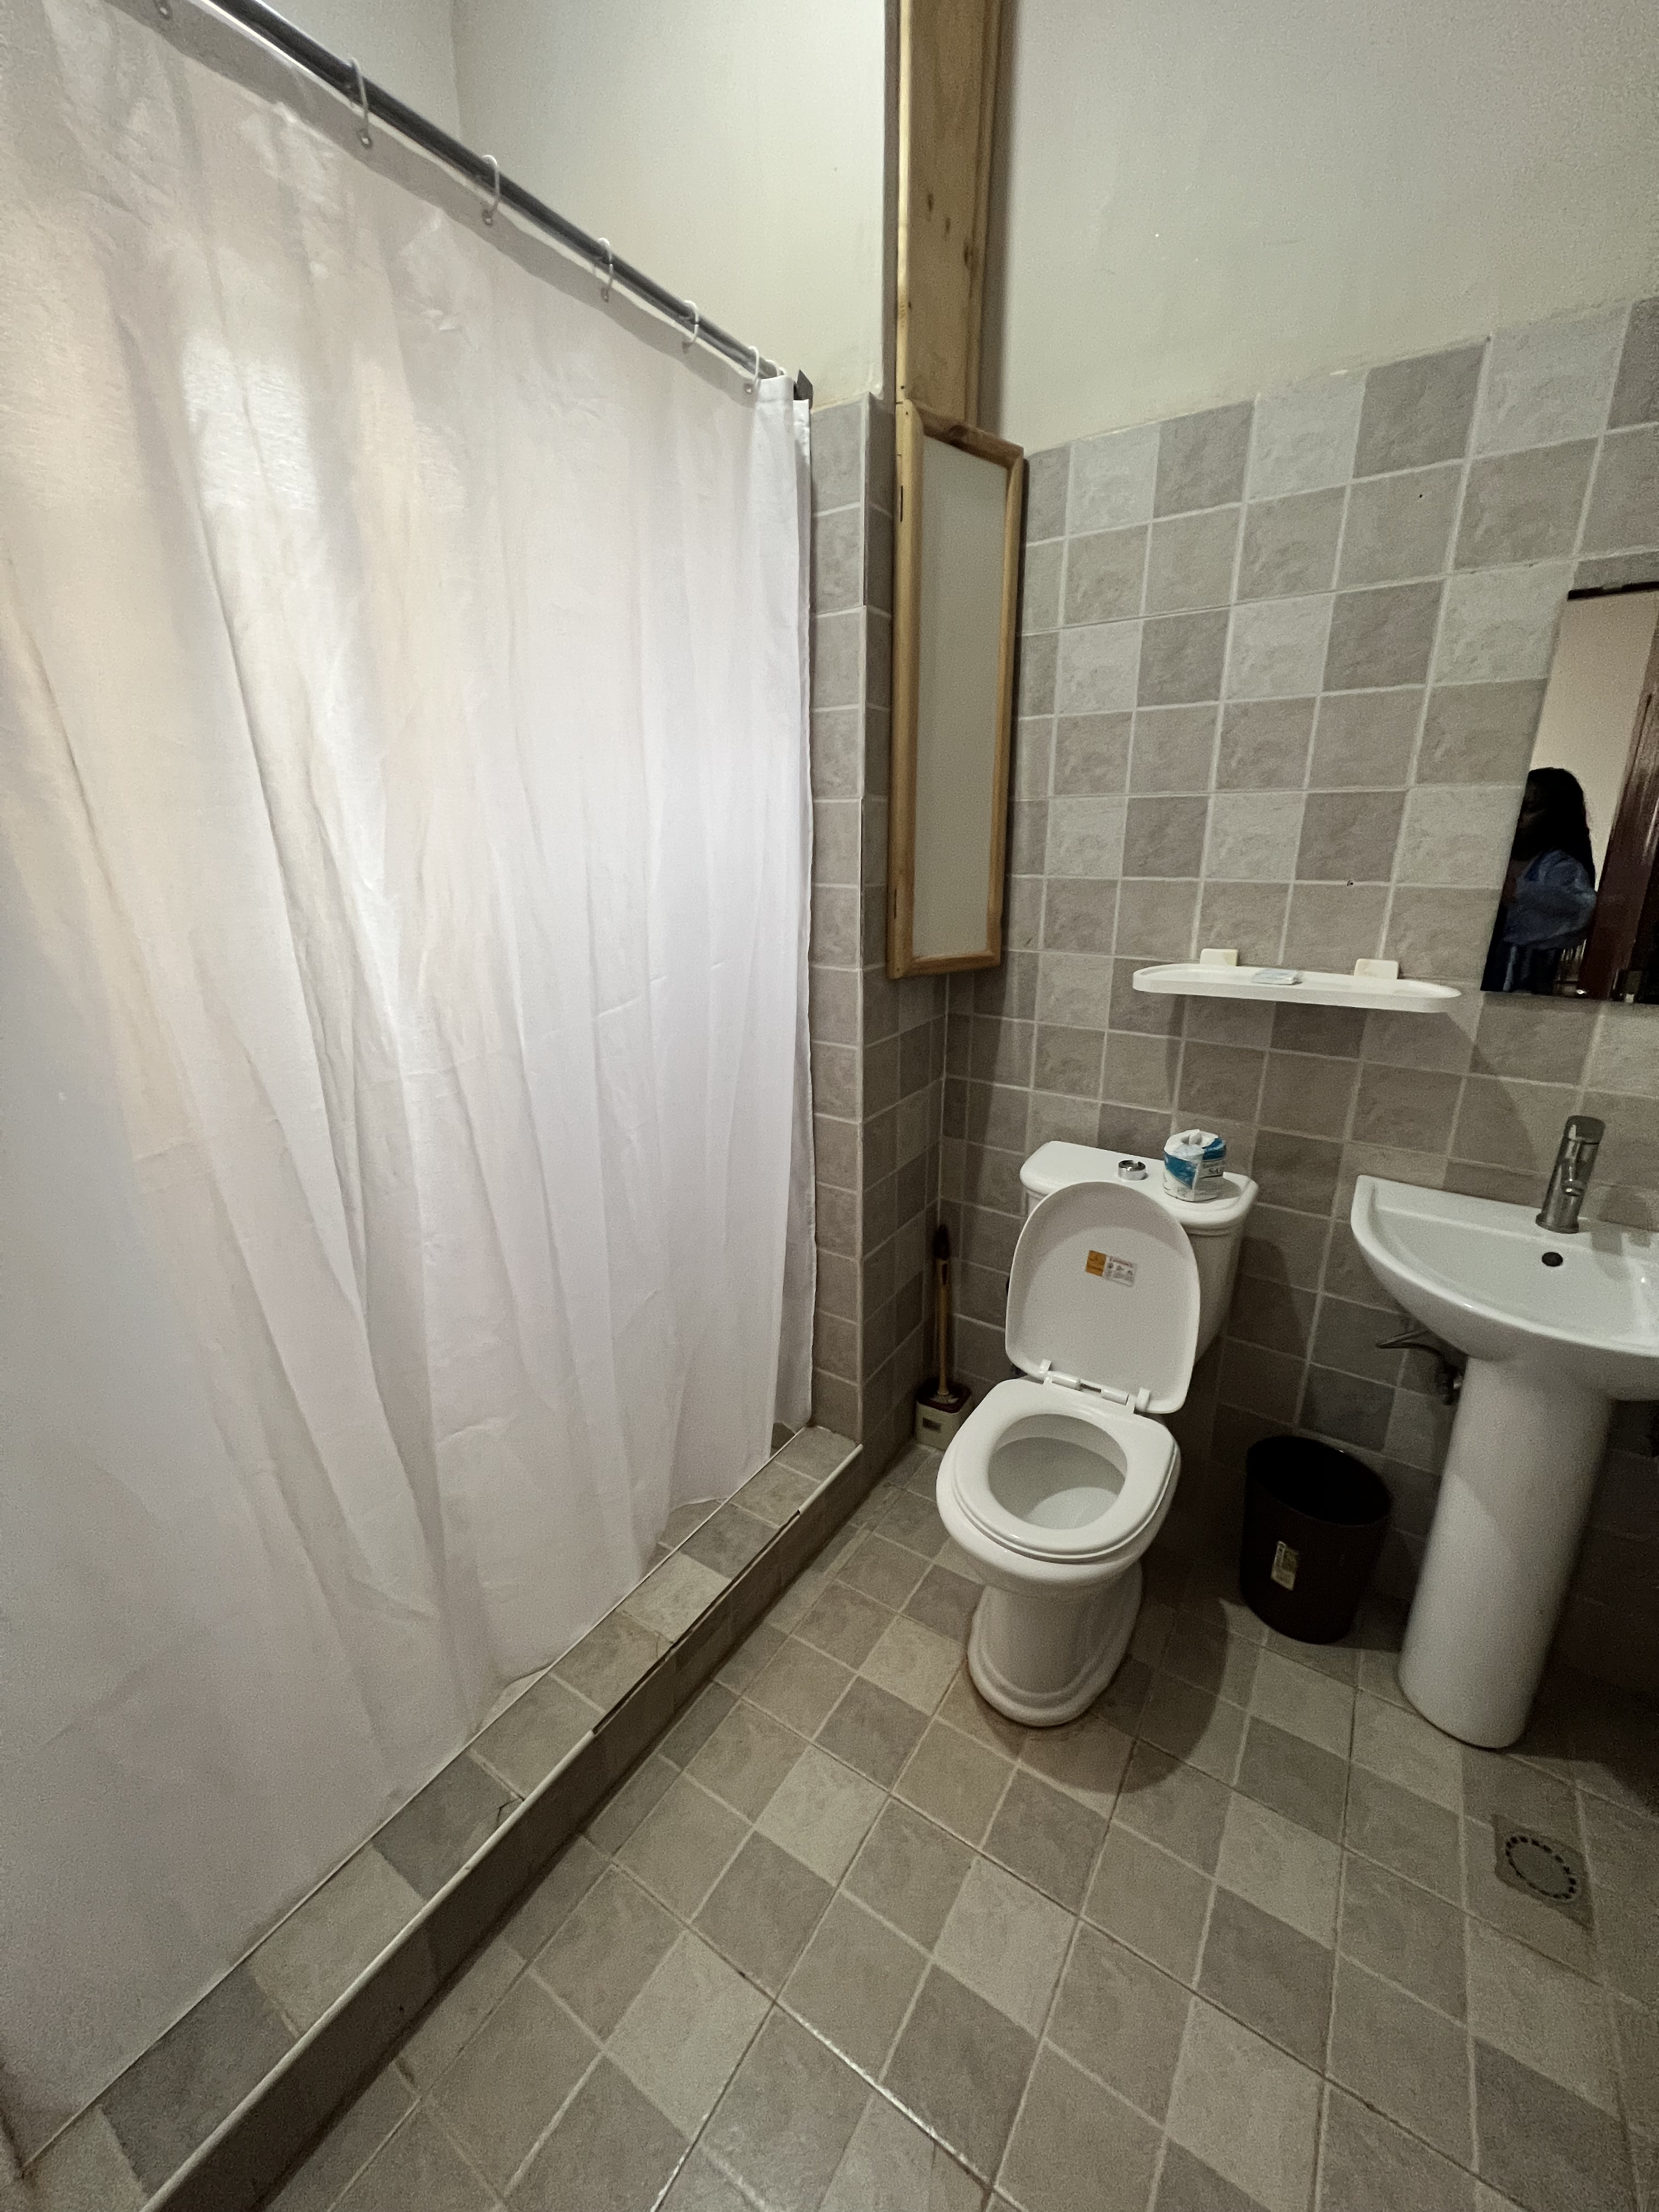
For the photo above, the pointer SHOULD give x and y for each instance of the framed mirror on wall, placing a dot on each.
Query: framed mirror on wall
(956, 581)
(1579, 914)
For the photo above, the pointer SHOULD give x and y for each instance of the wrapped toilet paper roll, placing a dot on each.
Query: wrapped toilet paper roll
(1192, 1160)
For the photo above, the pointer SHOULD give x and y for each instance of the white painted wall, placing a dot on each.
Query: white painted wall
(1589, 708)
(732, 147)
(404, 45)
(1205, 201)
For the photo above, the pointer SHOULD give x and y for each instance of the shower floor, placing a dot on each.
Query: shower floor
(846, 1941)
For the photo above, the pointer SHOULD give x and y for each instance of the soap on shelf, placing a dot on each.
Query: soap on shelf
(1278, 975)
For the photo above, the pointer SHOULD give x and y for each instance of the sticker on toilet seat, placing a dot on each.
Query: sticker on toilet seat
(1107, 1265)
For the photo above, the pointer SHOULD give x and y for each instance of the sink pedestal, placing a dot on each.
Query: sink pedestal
(1514, 1498)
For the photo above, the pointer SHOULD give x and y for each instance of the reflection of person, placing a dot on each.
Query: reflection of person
(1549, 886)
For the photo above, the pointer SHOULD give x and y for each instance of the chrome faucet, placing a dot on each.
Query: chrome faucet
(1575, 1156)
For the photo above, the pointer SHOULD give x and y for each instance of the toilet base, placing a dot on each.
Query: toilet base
(1041, 1660)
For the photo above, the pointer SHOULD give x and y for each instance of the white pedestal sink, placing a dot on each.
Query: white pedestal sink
(1555, 1328)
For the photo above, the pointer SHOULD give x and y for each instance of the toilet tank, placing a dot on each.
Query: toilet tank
(1214, 1227)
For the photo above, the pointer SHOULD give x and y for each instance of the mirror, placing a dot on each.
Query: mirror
(955, 583)
(1579, 914)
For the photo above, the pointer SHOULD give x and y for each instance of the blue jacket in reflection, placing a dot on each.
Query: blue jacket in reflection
(1554, 899)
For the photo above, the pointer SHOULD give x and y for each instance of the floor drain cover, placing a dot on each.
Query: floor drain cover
(1541, 1867)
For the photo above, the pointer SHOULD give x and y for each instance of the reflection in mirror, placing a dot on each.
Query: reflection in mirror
(1579, 914)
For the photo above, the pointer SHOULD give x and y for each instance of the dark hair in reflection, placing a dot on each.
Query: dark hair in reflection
(1553, 819)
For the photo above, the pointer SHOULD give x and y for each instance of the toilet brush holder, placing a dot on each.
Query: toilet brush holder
(942, 1406)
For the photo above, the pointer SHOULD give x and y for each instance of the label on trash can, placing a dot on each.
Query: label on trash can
(1286, 1562)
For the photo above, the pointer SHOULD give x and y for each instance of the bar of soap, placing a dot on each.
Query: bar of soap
(1276, 975)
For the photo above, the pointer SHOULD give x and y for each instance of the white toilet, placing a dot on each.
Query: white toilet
(1060, 1478)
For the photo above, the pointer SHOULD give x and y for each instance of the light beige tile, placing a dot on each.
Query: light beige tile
(821, 1813)
(1309, 1704)
(1282, 1868)
(1248, 2111)
(913, 1662)
(1551, 2020)
(1006, 1941)
(1403, 1747)
(681, 2039)
(326, 1943)
(672, 1598)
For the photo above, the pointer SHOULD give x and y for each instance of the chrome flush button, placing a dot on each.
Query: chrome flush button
(1133, 1170)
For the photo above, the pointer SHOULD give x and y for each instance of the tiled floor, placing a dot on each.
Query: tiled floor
(847, 1942)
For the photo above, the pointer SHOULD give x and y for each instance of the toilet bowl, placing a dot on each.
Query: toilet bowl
(1060, 1478)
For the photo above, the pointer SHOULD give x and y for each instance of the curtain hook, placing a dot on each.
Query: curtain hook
(686, 344)
(754, 378)
(362, 92)
(606, 281)
(496, 188)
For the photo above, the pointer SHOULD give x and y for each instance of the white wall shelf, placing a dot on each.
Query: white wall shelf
(1308, 987)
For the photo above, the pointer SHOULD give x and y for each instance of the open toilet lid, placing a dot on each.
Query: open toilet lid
(1104, 1289)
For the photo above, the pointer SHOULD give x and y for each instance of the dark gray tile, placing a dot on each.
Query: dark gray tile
(1154, 1903)
(1417, 412)
(1269, 1975)
(1181, 658)
(1173, 749)
(1164, 837)
(1091, 755)
(845, 1623)
(1047, 1837)
(1399, 526)
(511, 2079)
(881, 1571)
(603, 1667)
(855, 1982)
(1068, 1060)
(1401, 2057)
(1104, 573)
(1076, 2147)
(1525, 506)
(729, 1540)
(944, 1602)
(613, 2151)
(799, 1685)
(444, 1825)
(763, 1912)
(1369, 2165)
(1408, 1934)
(1121, 2018)
(1289, 545)
(960, 2065)
(1264, 744)
(1543, 2145)
(606, 1950)
(1200, 459)
(418, 2166)
(1168, 1802)
(872, 1731)
(1636, 394)
(680, 1848)
(1306, 1784)
(1364, 739)
(318, 2182)
(174, 2096)
(1623, 506)
(1349, 836)
(1189, 562)
(1045, 492)
(1380, 638)
(909, 1871)
(1186, 2184)
(1078, 913)
(745, 1759)
(786, 2117)
(1346, 1407)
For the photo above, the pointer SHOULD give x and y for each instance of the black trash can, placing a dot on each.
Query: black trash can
(1314, 1519)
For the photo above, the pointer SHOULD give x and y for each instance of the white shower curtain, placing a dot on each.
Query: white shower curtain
(403, 829)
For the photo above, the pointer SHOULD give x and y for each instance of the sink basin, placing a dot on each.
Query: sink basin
(1555, 1328)
(1487, 1278)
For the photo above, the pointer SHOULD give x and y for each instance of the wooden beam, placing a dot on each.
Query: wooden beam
(948, 52)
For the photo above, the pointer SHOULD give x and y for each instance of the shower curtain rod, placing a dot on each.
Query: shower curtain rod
(373, 102)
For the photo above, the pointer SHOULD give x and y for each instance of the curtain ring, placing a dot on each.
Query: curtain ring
(606, 281)
(686, 344)
(753, 382)
(495, 184)
(362, 92)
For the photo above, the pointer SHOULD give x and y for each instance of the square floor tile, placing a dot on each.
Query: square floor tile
(443, 1825)
(448, 2026)
(914, 1521)
(909, 1871)
(1285, 1869)
(1397, 1929)
(884, 1571)
(800, 1685)
(844, 1622)
(606, 1951)
(955, 1781)
(700, 2186)
(1185, 2183)
(746, 1758)
(1196, 1725)
(964, 1708)
(324, 1943)
(783, 2126)
(1121, 2018)
(627, 1805)
(418, 2166)
(1396, 2054)
(1542, 2146)
(697, 1723)
(752, 1656)
(762, 1910)
(1303, 1703)
(1267, 1974)
(612, 2151)
(682, 1847)
(511, 2079)
(316, 2184)
(1407, 1751)
(960, 2065)
(944, 1602)
(872, 1731)
(1246, 2109)
(1047, 1837)
(782, 1488)
(1551, 2020)
(1175, 1805)
(729, 1540)
(608, 1662)
(913, 1662)
(681, 2038)
(1155, 1904)
(1369, 2165)
(173, 2097)
(1211, 1659)
(855, 1982)
(1076, 2147)
(822, 1812)
(1086, 1757)
(1404, 1833)
(555, 1897)
(893, 2165)
(1296, 1777)
(1005, 1941)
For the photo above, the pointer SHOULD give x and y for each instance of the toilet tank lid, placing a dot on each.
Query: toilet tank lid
(1056, 1164)
(1104, 1289)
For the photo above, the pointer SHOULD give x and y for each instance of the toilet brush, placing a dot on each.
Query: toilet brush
(940, 1409)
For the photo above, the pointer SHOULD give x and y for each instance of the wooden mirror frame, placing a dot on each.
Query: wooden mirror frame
(913, 425)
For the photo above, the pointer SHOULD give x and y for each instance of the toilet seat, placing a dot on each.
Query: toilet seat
(1035, 1503)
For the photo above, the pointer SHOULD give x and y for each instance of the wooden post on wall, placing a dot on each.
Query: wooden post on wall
(948, 52)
